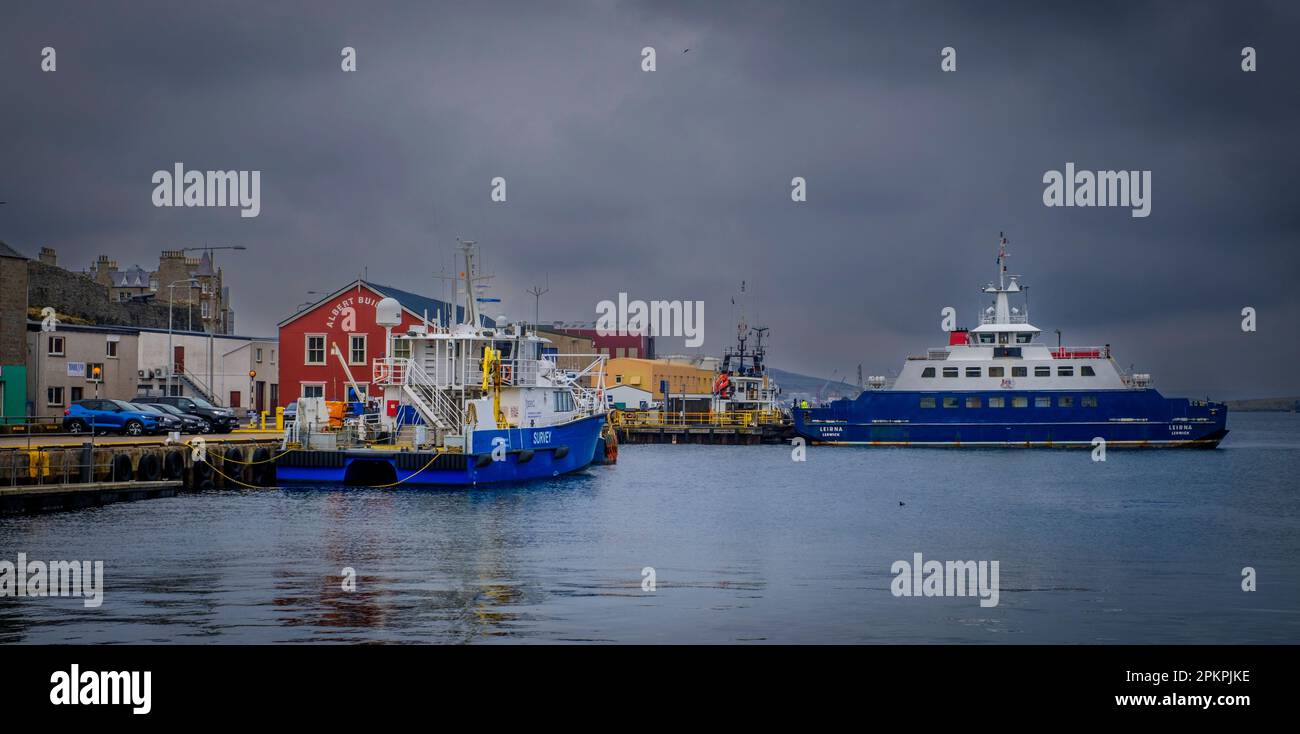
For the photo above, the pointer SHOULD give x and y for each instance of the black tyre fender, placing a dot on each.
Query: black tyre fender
(261, 463)
(149, 469)
(202, 472)
(121, 468)
(174, 465)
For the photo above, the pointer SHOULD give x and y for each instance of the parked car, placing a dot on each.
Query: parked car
(190, 423)
(218, 420)
(104, 415)
(291, 412)
(166, 421)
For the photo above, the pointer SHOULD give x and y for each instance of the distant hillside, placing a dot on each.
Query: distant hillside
(794, 384)
(1289, 405)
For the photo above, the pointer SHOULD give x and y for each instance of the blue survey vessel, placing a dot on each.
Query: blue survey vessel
(997, 385)
(460, 405)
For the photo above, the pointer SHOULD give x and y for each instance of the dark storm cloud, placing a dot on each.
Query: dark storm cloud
(675, 184)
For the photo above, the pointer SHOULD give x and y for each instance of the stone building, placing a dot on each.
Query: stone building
(202, 306)
(13, 336)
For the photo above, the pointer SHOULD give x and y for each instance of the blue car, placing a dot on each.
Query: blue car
(102, 416)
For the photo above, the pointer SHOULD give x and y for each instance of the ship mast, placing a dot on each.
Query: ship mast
(1006, 285)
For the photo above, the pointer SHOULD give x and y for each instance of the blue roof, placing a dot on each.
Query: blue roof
(421, 305)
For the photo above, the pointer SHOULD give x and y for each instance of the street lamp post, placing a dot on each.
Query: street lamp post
(212, 315)
(171, 349)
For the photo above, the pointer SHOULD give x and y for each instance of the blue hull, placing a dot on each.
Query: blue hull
(530, 453)
(1019, 418)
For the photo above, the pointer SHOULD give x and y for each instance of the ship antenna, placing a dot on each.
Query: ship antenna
(1002, 261)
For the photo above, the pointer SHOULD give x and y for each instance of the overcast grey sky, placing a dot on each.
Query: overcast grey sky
(675, 184)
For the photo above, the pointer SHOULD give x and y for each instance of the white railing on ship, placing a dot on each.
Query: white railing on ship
(588, 398)
(408, 373)
(1015, 318)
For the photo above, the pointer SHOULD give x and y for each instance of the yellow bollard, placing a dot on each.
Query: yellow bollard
(279, 417)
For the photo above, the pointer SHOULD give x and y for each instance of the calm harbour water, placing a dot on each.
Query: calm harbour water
(1147, 547)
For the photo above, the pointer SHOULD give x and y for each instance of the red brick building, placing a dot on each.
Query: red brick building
(308, 367)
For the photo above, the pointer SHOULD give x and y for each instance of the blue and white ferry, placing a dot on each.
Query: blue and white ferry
(996, 385)
(463, 404)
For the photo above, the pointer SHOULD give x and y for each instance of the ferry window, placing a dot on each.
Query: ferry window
(1020, 402)
(1042, 372)
(563, 402)
(997, 402)
(1088, 401)
(950, 402)
(1023, 338)
(1065, 372)
(986, 338)
(927, 372)
(1043, 401)
(927, 402)
(949, 371)
(972, 402)
(315, 350)
(357, 349)
(1019, 371)
(1086, 371)
(997, 371)
(402, 348)
(1065, 401)
(972, 371)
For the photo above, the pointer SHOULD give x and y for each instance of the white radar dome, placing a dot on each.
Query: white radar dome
(388, 312)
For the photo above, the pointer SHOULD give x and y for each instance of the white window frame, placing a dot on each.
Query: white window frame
(63, 347)
(110, 349)
(302, 389)
(49, 392)
(306, 352)
(365, 348)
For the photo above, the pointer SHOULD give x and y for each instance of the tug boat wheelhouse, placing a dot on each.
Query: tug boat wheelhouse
(462, 404)
(995, 385)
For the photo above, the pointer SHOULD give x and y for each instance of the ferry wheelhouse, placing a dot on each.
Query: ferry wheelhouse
(998, 385)
(462, 404)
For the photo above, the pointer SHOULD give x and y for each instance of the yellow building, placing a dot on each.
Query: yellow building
(646, 374)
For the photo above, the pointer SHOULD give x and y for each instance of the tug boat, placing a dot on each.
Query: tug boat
(742, 385)
(996, 385)
(463, 404)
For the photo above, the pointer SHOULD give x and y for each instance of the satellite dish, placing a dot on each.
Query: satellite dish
(1015, 310)
(388, 312)
(989, 310)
